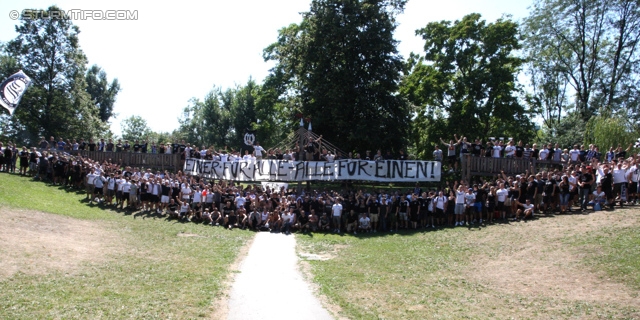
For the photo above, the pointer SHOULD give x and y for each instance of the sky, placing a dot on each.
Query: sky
(171, 54)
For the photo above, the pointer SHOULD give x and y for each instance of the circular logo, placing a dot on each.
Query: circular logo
(249, 138)
(13, 90)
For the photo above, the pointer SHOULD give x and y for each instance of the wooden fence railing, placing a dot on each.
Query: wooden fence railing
(486, 166)
(147, 160)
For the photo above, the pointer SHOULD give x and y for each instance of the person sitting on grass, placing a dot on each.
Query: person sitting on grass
(185, 210)
(254, 218)
(287, 220)
(364, 224)
(312, 224)
(229, 214)
(243, 218)
(324, 223)
(216, 217)
(206, 216)
(524, 209)
(352, 221)
(598, 197)
(172, 209)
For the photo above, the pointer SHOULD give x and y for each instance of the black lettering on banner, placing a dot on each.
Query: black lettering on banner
(326, 170)
(243, 170)
(362, 166)
(341, 164)
(316, 172)
(408, 167)
(299, 171)
(198, 167)
(396, 168)
(283, 171)
(380, 169)
(234, 169)
(272, 172)
(433, 169)
(188, 165)
(258, 167)
(216, 170)
(351, 168)
(422, 168)
(225, 170)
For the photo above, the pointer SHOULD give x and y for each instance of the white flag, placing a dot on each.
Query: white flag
(12, 89)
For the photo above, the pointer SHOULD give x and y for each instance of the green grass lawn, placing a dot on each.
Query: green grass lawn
(156, 274)
(472, 273)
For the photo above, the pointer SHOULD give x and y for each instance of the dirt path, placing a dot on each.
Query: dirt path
(33, 242)
(270, 286)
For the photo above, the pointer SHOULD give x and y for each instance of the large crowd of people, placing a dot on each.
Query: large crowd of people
(587, 180)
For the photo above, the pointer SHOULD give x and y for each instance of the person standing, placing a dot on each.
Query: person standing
(336, 215)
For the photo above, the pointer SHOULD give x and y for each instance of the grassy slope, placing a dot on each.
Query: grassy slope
(156, 274)
(413, 276)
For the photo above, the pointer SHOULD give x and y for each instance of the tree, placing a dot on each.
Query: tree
(135, 128)
(466, 82)
(593, 44)
(102, 93)
(57, 104)
(342, 66)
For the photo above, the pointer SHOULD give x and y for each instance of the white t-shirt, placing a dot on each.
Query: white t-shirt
(470, 198)
(126, 187)
(258, 150)
(186, 192)
(527, 206)
(91, 177)
(460, 195)
(502, 195)
(240, 201)
(336, 209)
(544, 154)
(634, 172)
(619, 175)
(197, 196)
(496, 151)
(440, 201)
(574, 154)
(510, 151)
(364, 222)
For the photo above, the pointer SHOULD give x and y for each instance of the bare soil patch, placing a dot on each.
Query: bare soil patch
(533, 259)
(38, 243)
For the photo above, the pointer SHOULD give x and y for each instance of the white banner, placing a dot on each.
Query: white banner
(283, 170)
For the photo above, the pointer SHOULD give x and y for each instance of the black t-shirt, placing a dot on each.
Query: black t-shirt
(166, 190)
(548, 186)
(532, 187)
(535, 153)
(126, 147)
(519, 151)
(136, 147)
(143, 148)
(33, 157)
(110, 146)
(228, 211)
(174, 148)
(541, 183)
(621, 154)
(119, 147)
(92, 146)
(480, 195)
(607, 181)
(586, 177)
(476, 149)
